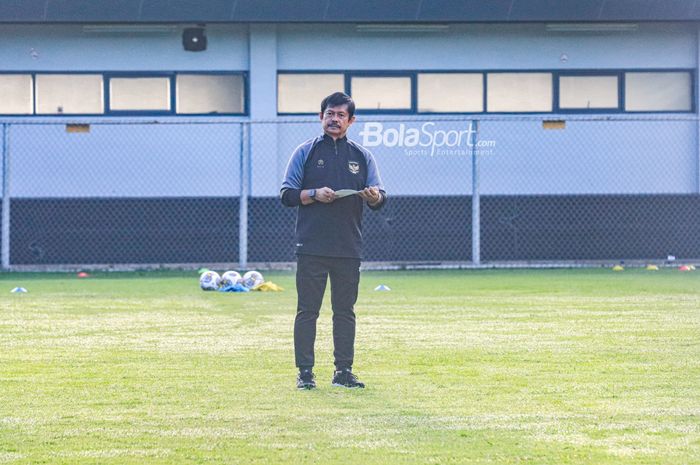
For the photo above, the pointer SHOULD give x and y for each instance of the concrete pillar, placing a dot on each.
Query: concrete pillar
(265, 180)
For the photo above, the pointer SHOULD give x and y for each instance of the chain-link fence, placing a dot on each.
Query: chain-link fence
(490, 190)
(590, 189)
(104, 194)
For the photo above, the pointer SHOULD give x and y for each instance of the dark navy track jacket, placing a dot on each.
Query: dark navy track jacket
(330, 229)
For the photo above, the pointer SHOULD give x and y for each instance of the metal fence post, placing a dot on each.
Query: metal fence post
(244, 194)
(476, 204)
(5, 232)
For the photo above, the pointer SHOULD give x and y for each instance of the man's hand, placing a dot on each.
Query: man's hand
(371, 195)
(323, 195)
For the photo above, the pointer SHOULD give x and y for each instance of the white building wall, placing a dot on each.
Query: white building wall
(607, 157)
(484, 46)
(71, 48)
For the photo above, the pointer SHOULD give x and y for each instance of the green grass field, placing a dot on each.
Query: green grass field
(462, 367)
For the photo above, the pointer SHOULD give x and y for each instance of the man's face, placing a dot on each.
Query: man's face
(336, 121)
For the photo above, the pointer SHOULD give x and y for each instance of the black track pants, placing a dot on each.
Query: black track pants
(312, 275)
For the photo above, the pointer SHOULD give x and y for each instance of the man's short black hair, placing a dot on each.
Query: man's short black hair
(336, 99)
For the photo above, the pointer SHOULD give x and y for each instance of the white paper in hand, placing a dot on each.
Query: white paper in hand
(344, 193)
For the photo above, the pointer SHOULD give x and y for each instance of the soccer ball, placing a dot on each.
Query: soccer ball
(209, 281)
(252, 279)
(230, 278)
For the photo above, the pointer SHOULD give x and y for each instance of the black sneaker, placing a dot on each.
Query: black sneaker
(306, 380)
(345, 378)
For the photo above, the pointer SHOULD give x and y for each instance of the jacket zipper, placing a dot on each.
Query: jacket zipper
(336, 164)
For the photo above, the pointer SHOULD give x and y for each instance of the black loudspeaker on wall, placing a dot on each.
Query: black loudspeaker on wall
(194, 39)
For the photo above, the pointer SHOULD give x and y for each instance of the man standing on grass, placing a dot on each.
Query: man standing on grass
(319, 176)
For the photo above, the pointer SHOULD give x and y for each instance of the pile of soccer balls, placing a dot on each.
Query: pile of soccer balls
(211, 281)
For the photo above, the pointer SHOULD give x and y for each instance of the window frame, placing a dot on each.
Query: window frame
(518, 71)
(556, 74)
(246, 91)
(386, 74)
(341, 73)
(63, 115)
(107, 75)
(453, 71)
(33, 95)
(591, 73)
(693, 89)
(108, 95)
(347, 78)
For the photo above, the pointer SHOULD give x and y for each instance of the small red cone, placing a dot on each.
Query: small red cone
(83, 274)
